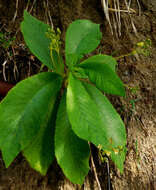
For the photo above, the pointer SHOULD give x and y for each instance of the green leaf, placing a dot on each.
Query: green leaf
(102, 59)
(113, 125)
(40, 152)
(24, 111)
(34, 32)
(102, 74)
(94, 119)
(82, 37)
(72, 153)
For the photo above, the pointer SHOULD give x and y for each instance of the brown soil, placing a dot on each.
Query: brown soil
(136, 72)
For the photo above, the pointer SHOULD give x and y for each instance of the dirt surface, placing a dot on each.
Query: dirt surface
(138, 109)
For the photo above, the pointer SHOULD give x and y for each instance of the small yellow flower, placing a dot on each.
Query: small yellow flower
(140, 44)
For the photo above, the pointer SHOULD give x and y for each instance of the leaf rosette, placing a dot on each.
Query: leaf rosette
(55, 114)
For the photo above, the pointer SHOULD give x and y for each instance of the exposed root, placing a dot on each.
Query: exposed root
(47, 13)
(94, 170)
(15, 15)
(32, 6)
(4, 65)
(51, 23)
(114, 7)
(105, 9)
(95, 173)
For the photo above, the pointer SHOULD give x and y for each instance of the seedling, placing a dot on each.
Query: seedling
(133, 89)
(55, 114)
(141, 48)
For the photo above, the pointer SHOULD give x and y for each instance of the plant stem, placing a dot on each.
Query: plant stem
(122, 56)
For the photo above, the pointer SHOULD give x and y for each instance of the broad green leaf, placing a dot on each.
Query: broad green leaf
(24, 111)
(114, 126)
(34, 32)
(40, 152)
(72, 153)
(82, 37)
(94, 119)
(102, 59)
(102, 74)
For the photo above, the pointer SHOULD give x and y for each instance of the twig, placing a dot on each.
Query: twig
(51, 22)
(139, 7)
(15, 70)
(95, 173)
(118, 17)
(32, 6)
(132, 23)
(124, 11)
(94, 170)
(15, 15)
(114, 6)
(106, 12)
(4, 64)
(108, 171)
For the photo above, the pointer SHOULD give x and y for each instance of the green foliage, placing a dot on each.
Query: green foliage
(94, 119)
(72, 153)
(25, 111)
(56, 113)
(82, 37)
(35, 36)
(143, 48)
(102, 74)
